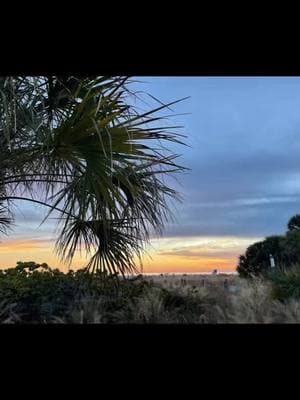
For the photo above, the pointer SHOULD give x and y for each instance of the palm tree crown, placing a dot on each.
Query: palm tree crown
(78, 147)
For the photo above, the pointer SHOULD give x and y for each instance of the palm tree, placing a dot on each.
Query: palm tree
(77, 146)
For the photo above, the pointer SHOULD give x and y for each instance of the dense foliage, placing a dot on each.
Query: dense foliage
(285, 250)
(36, 293)
(33, 293)
(286, 283)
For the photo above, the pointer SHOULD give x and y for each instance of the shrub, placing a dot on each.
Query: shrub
(40, 294)
(50, 296)
(286, 282)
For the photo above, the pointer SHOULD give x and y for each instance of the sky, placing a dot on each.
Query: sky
(243, 137)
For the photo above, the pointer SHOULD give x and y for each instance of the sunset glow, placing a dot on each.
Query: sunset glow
(165, 255)
(242, 184)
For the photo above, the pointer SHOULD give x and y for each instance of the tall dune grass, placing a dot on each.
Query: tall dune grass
(252, 303)
(54, 297)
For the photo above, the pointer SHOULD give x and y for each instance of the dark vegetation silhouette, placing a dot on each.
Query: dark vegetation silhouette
(285, 250)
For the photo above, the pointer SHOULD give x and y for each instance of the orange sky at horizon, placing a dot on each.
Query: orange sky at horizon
(165, 255)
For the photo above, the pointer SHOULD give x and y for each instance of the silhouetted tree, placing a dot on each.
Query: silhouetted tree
(285, 250)
(257, 257)
(294, 223)
(291, 248)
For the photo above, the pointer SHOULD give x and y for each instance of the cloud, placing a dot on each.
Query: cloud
(240, 202)
(244, 154)
(199, 254)
(204, 247)
(15, 245)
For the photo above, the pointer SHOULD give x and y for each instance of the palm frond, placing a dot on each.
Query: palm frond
(6, 218)
(115, 244)
(78, 146)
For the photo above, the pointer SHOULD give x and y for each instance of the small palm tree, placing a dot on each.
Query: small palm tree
(76, 146)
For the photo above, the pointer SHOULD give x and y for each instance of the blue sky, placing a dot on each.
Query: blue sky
(244, 135)
(244, 140)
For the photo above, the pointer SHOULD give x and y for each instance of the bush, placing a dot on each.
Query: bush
(286, 282)
(43, 295)
(38, 293)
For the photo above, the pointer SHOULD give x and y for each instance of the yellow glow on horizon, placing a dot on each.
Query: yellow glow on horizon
(12, 251)
(195, 254)
(165, 264)
(167, 255)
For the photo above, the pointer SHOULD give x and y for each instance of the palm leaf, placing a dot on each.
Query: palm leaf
(79, 147)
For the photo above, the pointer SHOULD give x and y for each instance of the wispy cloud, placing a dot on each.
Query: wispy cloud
(200, 252)
(15, 245)
(250, 201)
